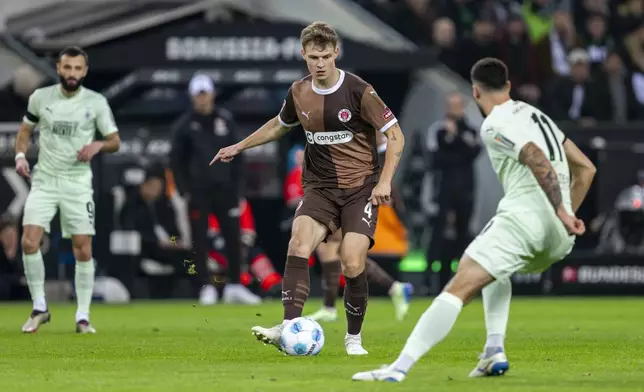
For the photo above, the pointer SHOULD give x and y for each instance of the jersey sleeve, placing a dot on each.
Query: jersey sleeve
(105, 119)
(288, 113)
(375, 112)
(32, 115)
(505, 141)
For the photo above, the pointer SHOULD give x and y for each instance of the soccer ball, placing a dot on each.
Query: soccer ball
(302, 336)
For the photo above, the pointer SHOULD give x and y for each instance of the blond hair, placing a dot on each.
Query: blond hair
(320, 34)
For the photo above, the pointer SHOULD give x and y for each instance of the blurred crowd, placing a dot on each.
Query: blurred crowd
(569, 57)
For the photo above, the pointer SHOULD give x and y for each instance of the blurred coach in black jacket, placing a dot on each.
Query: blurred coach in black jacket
(197, 137)
(454, 146)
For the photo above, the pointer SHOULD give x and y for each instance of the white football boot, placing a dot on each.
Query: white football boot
(325, 314)
(385, 373)
(400, 294)
(491, 364)
(353, 344)
(238, 294)
(35, 320)
(269, 335)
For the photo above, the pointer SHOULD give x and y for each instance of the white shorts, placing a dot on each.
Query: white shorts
(525, 242)
(74, 199)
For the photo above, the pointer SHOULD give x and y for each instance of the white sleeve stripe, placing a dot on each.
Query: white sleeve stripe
(388, 125)
(28, 121)
(284, 124)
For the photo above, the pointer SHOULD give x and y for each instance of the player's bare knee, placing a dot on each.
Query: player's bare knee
(30, 244)
(353, 262)
(469, 280)
(352, 267)
(82, 247)
(299, 247)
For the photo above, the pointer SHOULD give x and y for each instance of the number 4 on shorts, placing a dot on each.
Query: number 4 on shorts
(367, 210)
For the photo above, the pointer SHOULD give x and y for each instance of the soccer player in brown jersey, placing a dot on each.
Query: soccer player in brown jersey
(343, 184)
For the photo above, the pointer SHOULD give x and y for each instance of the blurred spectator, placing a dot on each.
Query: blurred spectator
(576, 97)
(634, 43)
(613, 84)
(454, 146)
(444, 35)
(552, 51)
(462, 12)
(538, 15)
(519, 55)
(597, 42)
(480, 45)
(12, 282)
(139, 214)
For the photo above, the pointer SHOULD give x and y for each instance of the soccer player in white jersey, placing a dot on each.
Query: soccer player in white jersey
(68, 116)
(545, 178)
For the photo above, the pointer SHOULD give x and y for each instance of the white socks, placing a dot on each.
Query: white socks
(432, 327)
(496, 303)
(84, 282)
(35, 274)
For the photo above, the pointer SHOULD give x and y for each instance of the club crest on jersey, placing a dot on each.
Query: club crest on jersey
(344, 115)
(387, 115)
(88, 114)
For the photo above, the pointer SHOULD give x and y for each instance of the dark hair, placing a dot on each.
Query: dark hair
(490, 74)
(73, 51)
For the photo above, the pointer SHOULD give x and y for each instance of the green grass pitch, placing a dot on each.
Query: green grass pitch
(553, 345)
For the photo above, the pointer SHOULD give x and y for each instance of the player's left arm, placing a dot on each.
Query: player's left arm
(107, 127)
(376, 112)
(395, 146)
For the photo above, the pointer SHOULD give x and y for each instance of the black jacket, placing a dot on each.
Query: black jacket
(196, 140)
(454, 156)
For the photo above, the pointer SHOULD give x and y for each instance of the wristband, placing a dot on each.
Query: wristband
(20, 155)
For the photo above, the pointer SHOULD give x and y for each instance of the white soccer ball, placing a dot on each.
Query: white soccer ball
(302, 336)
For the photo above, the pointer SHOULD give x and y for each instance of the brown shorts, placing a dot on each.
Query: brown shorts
(348, 209)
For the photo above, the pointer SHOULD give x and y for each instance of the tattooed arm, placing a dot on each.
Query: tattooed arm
(532, 156)
(395, 145)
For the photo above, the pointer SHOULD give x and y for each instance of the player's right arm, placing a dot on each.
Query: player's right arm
(519, 146)
(274, 129)
(582, 170)
(29, 121)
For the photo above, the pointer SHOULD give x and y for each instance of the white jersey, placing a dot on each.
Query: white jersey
(66, 124)
(505, 131)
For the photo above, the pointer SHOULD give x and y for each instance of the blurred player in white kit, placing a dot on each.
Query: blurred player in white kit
(68, 116)
(545, 179)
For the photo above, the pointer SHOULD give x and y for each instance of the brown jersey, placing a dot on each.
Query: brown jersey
(340, 125)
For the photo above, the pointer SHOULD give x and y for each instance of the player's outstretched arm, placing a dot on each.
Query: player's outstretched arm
(583, 172)
(272, 130)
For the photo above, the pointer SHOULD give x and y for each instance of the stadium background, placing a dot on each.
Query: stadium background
(143, 53)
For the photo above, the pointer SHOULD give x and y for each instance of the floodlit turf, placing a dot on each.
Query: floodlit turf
(553, 345)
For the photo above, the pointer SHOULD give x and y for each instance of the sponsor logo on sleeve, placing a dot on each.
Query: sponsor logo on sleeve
(387, 115)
